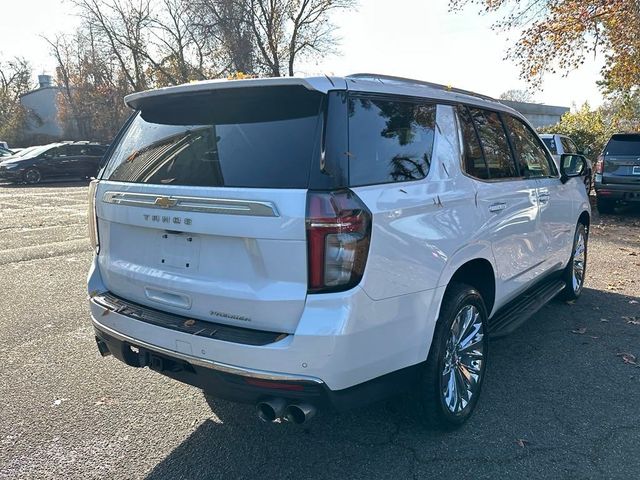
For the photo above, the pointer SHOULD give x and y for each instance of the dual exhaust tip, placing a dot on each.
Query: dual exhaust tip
(298, 413)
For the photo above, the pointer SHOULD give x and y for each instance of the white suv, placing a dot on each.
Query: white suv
(300, 243)
(558, 145)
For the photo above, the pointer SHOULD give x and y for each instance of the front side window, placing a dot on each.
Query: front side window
(494, 142)
(568, 146)
(389, 140)
(530, 153)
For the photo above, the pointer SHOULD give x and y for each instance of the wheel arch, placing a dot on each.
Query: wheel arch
(480, 274)
(476, 270)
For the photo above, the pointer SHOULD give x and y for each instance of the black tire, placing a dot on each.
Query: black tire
(588, 184)
(431, 394)
(573, 288)
(32, 176)
(606, 205)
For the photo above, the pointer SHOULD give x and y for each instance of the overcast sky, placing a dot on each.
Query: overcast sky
(413, 38)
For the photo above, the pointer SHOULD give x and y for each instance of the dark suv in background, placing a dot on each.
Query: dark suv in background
(56, 160)
(618, 172)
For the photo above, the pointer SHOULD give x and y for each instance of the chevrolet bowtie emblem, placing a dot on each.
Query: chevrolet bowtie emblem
(165, 202)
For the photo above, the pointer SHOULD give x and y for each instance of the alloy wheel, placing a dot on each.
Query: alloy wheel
(463, 360)
(32, 176)
(579, 262)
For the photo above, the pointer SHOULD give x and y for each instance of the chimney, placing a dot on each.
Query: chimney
(45, 81)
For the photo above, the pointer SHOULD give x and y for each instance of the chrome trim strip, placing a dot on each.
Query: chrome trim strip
(193, 204)
(203, 362)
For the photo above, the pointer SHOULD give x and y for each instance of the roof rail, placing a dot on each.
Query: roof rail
(437, 86)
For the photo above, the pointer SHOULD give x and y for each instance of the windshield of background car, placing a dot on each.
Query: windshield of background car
(623, 145)
(551, 145)
(253, 137)
(38, 150)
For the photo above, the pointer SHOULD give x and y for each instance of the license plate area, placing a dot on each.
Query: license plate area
(636, 170)
(179, 250)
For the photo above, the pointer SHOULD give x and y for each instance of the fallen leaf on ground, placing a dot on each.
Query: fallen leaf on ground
(522, 443)
(579, 331)
(570, 302)
(189, 323)
(628, 358)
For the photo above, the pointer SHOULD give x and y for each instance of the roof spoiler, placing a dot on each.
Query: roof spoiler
(320, 84)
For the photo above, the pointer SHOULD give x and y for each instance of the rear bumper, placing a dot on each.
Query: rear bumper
(347, 349)
(617, 191)
(245, 385)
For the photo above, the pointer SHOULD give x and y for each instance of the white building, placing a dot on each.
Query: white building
(41, 104)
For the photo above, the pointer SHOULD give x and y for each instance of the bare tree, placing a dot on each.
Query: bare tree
(517, 95)
(269, 36)
(15, 81)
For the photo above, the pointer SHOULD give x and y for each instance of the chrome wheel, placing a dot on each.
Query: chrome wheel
(463, 360)
(579, 262)
(32, 176)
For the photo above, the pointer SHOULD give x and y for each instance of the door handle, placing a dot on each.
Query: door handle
(497, 207)
(543, 198)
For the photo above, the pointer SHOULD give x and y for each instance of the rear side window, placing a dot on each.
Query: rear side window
(260, 137)
(623, 145)
(494, 143)
(531, 156)
(474, 163)
(389, 140)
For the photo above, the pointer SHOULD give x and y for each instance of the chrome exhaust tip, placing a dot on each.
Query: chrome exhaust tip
(271, 410)
(299, 413)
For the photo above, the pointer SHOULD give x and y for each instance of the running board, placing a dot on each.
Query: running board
(515, 313)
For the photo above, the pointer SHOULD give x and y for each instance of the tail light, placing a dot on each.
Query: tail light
(92, 219)
(600, 164)
(338, 236)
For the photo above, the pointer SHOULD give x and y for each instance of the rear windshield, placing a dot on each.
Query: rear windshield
(623, 145)
(261, 138)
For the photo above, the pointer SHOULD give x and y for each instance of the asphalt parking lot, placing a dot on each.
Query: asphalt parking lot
(561, 398)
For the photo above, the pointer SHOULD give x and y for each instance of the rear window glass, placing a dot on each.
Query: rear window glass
(389, 140)
(623, 145)
(261, 138)
(551, 145)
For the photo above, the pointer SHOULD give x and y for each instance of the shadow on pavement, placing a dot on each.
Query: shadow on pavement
(558, 384)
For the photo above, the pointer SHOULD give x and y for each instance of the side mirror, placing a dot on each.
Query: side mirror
(571, 166)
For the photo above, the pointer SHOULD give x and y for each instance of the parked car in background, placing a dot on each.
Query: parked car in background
(4, 145)
(304, 243)
(558, 145)
(5, 152)
(21, 152)
(54, 161)
(618, 172)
